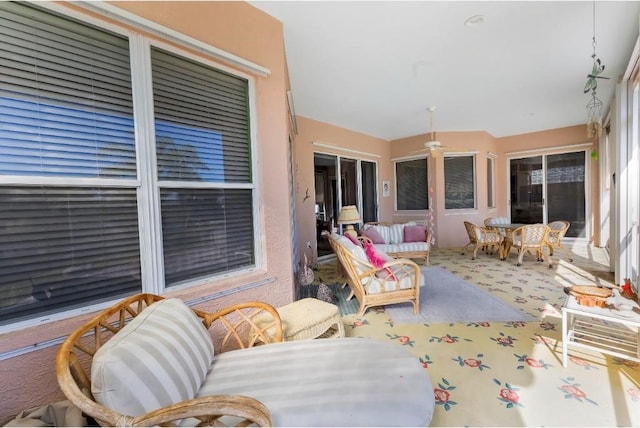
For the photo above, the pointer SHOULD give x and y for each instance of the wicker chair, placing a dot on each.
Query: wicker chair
(530, 237)
(482, 237)
(236, 320)
(557, 230)
(149, 361)
(396, 282)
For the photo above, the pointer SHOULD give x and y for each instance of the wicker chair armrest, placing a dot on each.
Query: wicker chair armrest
(208, 410)
(364, 239)
(395, 270)
(241, 327)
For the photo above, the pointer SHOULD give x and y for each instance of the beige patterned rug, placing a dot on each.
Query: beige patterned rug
(511, 374)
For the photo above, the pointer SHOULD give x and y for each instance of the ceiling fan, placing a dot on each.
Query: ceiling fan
(433, 146)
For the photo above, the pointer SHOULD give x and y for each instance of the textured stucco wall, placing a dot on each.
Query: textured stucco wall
(238, 28)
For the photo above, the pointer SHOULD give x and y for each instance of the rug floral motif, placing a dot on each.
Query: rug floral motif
(510, 373)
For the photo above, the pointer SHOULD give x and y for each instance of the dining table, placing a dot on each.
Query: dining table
(506, 232)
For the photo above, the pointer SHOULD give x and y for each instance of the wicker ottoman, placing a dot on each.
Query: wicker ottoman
(309, 319)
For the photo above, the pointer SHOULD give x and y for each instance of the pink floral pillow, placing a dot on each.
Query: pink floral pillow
(415, 234)
(373, 234)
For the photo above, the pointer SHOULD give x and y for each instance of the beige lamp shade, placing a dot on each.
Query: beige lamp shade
(349, 215)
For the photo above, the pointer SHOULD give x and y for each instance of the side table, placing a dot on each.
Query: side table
(606, 330)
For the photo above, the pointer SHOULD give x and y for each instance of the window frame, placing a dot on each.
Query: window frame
(146, 183)
(474, 157)
(424, 158)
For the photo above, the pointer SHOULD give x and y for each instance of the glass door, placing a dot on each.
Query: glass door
(566, 191)
(369, 192)
(526, 190)
(548, 188)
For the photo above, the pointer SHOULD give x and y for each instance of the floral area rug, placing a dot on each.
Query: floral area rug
(510, 373)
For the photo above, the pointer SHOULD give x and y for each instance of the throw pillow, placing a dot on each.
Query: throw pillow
(378, 259)
(352, 239)
(374, 256)
(373, 234)
(415, 233)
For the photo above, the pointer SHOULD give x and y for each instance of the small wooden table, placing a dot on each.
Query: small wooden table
(607, 330)
(508, 231)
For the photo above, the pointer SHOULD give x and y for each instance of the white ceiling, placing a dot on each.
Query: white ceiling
(376, 66)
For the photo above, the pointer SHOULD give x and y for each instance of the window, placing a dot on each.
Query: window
(459, 185)
(411, 185)
(73, 187)
(491, 200)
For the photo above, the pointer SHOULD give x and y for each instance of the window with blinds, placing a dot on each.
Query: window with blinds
(459, 184)
(71, 197)
(411, 185)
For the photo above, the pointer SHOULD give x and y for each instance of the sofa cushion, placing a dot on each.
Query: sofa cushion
(379, 384)
(160, 358)
(372, 233)
(415, 233)
(396, 232)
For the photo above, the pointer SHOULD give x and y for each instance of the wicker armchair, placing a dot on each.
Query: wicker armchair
(530, 237)
(482, 237)
(396, 282)
(557, 230)
(82, 344)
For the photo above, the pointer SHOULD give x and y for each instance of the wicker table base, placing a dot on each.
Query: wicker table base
(310, 318)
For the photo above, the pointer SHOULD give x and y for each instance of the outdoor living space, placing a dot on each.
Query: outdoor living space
(207, 150)
(510, 373)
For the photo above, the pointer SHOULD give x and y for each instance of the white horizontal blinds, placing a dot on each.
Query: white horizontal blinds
(65, 246)
(202, 121)
(411, 182)
(65, 97)
(203, 146)
(65, 113)
(458, 182)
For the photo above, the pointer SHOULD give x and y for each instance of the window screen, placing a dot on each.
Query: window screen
(459, 187)
(411, 185)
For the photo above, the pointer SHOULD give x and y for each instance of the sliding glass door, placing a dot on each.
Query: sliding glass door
(549, 187)
(341, 181)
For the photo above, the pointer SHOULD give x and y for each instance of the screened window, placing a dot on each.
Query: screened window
(459, 185)
(411, 185)
(202, 141)
(491, 200)
(70, 189)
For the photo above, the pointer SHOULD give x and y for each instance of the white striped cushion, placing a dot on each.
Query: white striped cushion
(329, 382)
(396, 232)
(160, 358)
(384, 231)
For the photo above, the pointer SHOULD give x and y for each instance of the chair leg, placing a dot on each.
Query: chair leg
(566, 252)
(520, 256)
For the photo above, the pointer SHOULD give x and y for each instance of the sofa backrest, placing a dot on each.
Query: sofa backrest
(160, 358)
(393, 234)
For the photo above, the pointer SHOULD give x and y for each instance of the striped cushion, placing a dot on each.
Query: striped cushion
(328, 382)
(160, 358)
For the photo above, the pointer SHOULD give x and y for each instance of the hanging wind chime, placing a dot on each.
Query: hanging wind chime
(594, 106)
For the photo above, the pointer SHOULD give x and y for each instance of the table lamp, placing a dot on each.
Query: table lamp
(349, 216)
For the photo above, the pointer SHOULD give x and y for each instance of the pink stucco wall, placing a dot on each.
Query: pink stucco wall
(448, 229)
(239, 28)
(311, 130)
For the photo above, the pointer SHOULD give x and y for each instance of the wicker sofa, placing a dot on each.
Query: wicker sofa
(152, 363)
(400, 240)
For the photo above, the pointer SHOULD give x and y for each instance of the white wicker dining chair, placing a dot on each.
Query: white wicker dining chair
(530, 237)
(557, 231)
